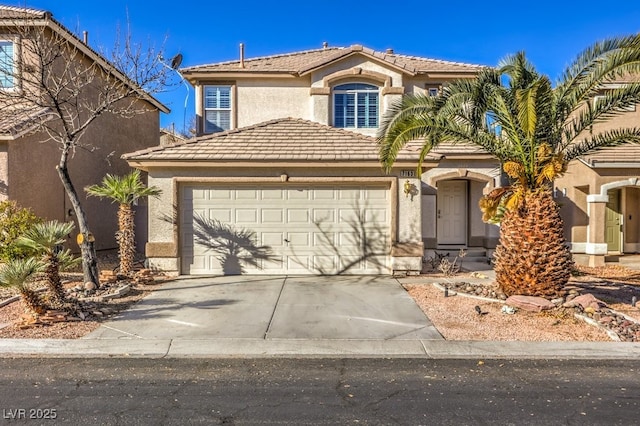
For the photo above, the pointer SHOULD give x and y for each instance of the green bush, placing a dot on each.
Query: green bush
(14, 220)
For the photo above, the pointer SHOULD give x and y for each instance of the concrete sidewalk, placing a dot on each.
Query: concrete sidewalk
(328, 317)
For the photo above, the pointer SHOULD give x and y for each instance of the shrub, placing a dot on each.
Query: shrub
(14, 221)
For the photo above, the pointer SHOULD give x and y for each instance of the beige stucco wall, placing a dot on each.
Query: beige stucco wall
(34, 182)
(268, 99)
(163, 235)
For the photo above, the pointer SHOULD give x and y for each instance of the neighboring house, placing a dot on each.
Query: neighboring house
(28, 158)
(600, 198)
(286, 150)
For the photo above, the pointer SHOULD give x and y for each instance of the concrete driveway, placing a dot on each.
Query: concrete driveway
(274, 307)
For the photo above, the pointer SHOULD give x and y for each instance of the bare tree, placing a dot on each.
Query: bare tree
(64, 86)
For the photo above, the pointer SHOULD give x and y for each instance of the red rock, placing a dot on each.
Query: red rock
(530, 303)
(585, 301)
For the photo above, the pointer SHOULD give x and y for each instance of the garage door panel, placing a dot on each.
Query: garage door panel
(272, 216)
(223, 215)
(220, 194)
(324, 264)
(273, 239)
(295, 216)
(297, 194)
(323, 238)
(272, 194)
(246, 194)
(324, 194)
(375, 215)
(246, 216)
(322, 225)
(298, 239)
(324, 216)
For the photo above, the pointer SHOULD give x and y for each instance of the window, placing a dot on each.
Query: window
(355, 106)
(217, 108)
(432, 89)
(7, 63)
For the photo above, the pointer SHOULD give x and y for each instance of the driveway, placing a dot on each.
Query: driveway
(274, 307)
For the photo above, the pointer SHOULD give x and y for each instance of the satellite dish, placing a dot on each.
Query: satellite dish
(176, 61)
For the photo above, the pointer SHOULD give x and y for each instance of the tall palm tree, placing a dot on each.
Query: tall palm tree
(16, 274)
(125, 191)
(534, 130)
(45, 240)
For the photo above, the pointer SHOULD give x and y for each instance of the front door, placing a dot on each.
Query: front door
(614, 221)
(452, 212)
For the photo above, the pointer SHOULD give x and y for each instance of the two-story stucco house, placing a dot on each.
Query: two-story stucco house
(286, 150)
(28, 157)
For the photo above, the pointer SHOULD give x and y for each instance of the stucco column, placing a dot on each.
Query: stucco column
(320, 104)
(596, 235)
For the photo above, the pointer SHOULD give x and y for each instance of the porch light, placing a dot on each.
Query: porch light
(407, 188)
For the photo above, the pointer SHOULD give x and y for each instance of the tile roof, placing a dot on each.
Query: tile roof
(13, 12)
(303, 62)
(17, 121)
(286, 139)
(628, 153)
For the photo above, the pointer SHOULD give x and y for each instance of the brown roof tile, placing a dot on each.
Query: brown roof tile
(16, 121)
(306, 61)
(13, 12)
(628, 153)
(286, 139)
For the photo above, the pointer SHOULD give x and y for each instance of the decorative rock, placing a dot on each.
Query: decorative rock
(585, 301)
(530, 303)
(557, 301)
(89, 286)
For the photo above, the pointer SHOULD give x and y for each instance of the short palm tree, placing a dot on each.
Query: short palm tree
(16, 274)
(534, 130)
(125, 191)
(45, 240)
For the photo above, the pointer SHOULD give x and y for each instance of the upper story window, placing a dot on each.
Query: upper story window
(217, 108)
(356, 105)
(432, 89)
(7, 64)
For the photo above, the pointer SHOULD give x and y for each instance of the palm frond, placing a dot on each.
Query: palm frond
(602, 140)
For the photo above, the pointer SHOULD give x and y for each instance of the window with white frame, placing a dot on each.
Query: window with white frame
(356, 105)
(217, 108)
(7, 64)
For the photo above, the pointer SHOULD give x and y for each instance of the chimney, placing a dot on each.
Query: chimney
(389, 51)
(85, 37)
(325, 44)
(241, 55)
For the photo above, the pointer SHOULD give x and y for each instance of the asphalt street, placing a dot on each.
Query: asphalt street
(318, 391)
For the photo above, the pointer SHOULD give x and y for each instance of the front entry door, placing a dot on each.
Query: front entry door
(452, 212)
(614, 221)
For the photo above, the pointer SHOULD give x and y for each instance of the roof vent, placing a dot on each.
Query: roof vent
(389, 51)
(325, 44)
(85, 37)
(241, 55)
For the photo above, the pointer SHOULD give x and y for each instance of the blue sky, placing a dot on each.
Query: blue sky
(550, 32)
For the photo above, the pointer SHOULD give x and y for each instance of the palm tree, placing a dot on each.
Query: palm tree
(45, 239)
(125, 191)
(534, 130)
(16, 273)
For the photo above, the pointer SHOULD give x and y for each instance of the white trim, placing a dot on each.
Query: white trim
(596, 248)
(578, 247)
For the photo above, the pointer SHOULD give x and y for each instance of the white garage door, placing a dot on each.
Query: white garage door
(286, 229)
